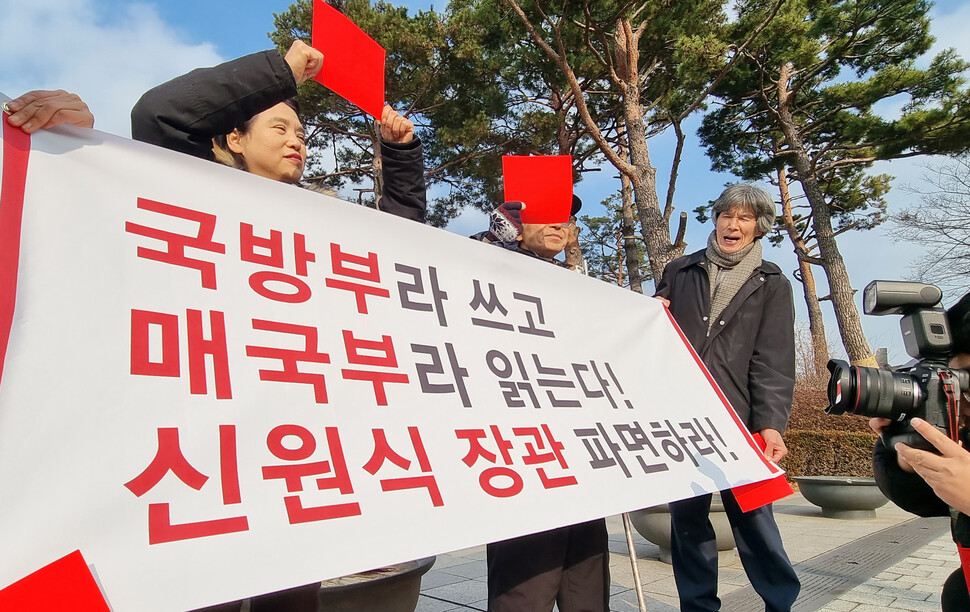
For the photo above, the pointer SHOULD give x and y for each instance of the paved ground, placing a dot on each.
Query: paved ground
(457, 580)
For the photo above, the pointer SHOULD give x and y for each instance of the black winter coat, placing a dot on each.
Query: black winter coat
(911, 493)
(185, 113)
(750, 350)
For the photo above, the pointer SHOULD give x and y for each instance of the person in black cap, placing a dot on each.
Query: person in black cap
(540, 240)
(568, 567)
(928, 484)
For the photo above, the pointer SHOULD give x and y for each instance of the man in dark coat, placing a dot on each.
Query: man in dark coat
(737, 312)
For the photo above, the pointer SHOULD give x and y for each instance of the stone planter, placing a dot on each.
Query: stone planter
(654, 525)
(388, 589)
(844, 497)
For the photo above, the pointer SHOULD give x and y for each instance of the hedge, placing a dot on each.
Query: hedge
(828, 453)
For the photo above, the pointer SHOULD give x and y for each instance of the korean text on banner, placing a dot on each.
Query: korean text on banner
(216, 385)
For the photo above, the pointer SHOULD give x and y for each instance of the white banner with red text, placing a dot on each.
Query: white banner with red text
(214, 385)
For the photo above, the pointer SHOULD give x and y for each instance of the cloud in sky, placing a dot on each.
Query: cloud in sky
(108, 53)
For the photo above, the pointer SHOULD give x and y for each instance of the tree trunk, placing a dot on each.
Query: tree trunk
(378, 167)
(574, 254)
(841, 292)
(628, 231)
(618, 277)
(628, 226)
(656, 231)
(820, 346)
(626, 80)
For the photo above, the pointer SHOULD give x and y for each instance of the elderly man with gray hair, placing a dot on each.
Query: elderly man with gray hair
(737, 312)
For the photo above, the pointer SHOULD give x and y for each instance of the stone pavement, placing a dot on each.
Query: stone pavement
(457, 580)
(912, 584)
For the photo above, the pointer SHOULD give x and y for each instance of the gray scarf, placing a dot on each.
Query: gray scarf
(728, 272)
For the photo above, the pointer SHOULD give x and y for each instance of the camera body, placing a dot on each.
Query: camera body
(929, 390)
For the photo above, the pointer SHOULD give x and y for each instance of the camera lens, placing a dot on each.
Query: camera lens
(870, 391)
(841, 387)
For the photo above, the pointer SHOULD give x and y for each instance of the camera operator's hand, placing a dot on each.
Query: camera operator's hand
(877, 424)
(775, 447)
(948, 474)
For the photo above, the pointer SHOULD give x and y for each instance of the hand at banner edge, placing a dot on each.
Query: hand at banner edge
(775, 448)
(41, 109)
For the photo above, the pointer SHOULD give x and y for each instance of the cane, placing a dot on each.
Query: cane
(633, 561)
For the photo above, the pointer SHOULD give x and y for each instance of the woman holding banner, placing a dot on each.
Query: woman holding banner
(244, 114)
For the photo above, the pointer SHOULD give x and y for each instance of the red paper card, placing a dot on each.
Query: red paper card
(65, 584)
(353, 64)
(757, 494)
(543, 182)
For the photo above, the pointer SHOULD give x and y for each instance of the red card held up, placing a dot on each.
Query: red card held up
(65, 584)
(353, 63)
(543, 182)
(757, 494)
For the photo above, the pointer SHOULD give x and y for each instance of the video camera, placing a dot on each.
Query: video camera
(929, 390)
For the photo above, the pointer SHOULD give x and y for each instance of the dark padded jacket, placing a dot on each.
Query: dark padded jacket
(185, 113)
(750, 350)
(911, 493)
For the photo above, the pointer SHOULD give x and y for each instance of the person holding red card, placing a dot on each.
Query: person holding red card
(569, 566)
(738, 313)
(540, 240)
(243, 113)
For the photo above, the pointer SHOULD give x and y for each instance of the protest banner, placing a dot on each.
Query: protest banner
(215, 385)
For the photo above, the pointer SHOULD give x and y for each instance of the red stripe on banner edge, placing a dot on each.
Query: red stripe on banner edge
(720, 394)
(16, 152)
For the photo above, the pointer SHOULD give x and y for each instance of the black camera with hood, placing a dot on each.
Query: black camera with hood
(929, 389)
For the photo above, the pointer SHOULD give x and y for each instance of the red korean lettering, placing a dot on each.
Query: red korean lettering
(169, 458)
(177, 243)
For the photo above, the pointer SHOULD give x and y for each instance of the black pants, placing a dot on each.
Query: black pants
(569, 566)
(955, 596)
(694, 554)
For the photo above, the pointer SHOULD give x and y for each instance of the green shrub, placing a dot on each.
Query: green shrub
(828, 453)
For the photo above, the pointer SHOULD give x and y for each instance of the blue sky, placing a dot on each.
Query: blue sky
(110, 51)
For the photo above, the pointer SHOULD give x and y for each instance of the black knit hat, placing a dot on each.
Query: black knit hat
(577, 204)
(958, 316)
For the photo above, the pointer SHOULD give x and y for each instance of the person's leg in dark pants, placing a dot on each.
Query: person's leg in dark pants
(585, 582)
(524, 573)
(955, 597)
(763, 555)
(693, 552)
